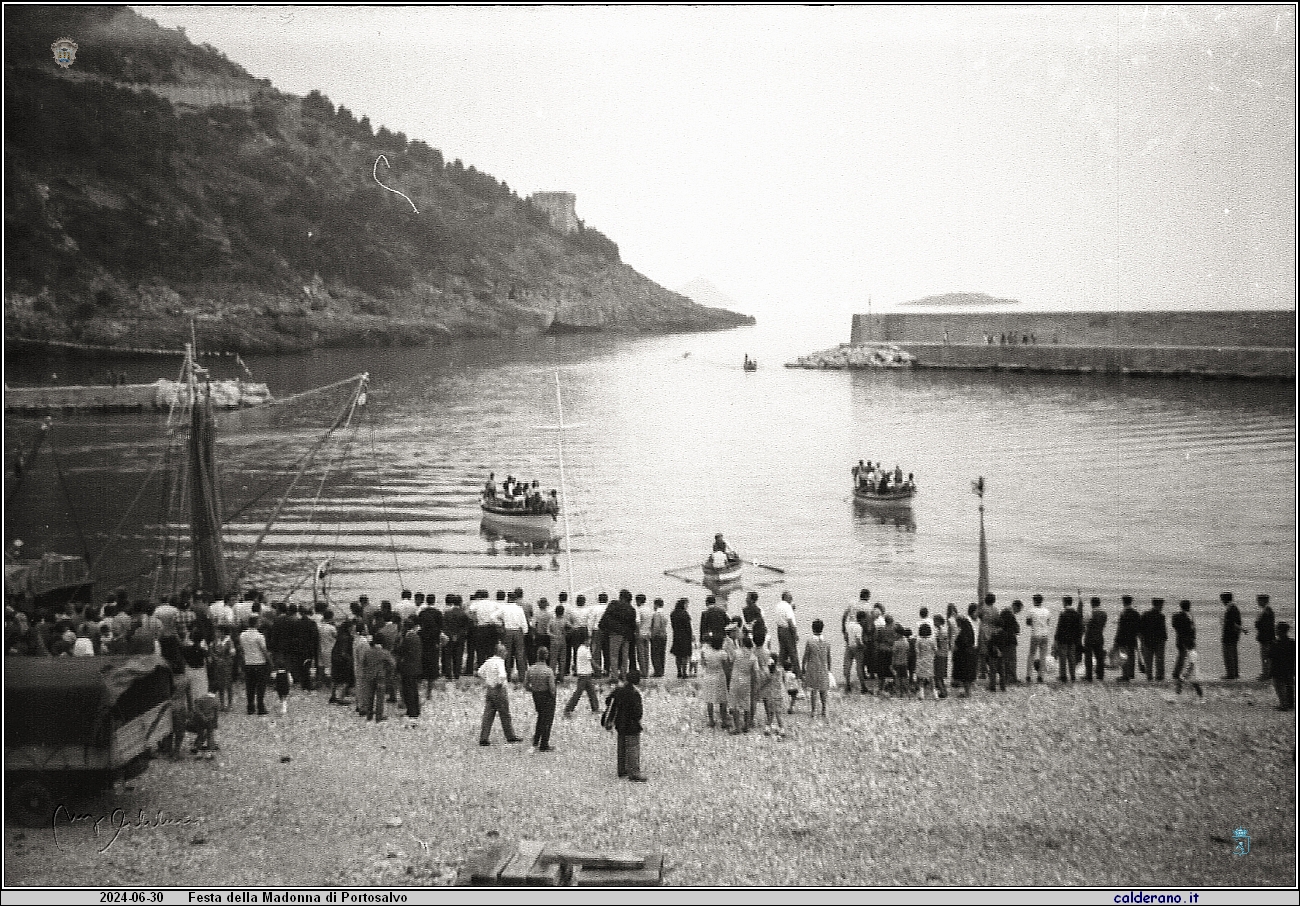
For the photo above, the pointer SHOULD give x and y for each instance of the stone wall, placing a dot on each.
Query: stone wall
(1262, 329)
(1208, 361)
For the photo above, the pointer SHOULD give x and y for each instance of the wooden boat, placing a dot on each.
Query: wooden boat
(512, 522)
(713, 576)
(900, 497)
(751, 364)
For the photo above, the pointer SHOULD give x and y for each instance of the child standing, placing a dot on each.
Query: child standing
(925, 656)
(1190, 673)
(771, 690)
(627, 724)
(203, 724)
(283, 683)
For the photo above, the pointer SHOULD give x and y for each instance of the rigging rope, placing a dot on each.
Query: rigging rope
(58, 470)
(383, 501)
(121, 522)
(363, 376)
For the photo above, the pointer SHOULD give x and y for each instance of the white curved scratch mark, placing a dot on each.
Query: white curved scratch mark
(375, 171)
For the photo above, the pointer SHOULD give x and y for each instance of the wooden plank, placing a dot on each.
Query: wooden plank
(483, 868)
(516, 871)
(650, 876)
(578, 858)
(552, 875)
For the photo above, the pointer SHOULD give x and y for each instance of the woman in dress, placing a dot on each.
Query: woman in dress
(713, 689)
(817, 667)
(963, 654)
(342, 672)
(681, 624)
(744, 681)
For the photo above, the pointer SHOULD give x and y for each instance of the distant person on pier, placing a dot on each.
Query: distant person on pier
(1264, 634)
(1231, 621)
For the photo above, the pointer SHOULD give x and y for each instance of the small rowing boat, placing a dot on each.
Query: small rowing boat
(725, 574)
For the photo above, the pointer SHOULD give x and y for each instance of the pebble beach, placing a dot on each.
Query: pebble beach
(1043, 785)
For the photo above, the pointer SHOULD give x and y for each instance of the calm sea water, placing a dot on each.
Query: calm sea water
(1096, 485)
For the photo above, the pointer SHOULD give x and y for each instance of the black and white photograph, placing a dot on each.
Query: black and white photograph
(650, 447)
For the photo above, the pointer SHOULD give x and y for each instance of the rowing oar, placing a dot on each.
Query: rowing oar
(681, 569)
(775, 569)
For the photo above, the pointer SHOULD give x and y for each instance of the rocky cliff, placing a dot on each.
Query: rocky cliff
(154, 184)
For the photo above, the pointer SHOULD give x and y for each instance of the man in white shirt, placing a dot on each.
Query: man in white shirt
(497, 699)
(242, 612)
(787, 633)
(1039, 622)
(257, 667)
(515, 623)
(853, 652)
(405, 607)
(644, 612)
(221, 613)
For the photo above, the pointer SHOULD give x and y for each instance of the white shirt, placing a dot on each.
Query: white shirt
(1042, 621)
(493, 672)
(242, 611)
(404, 608)
(785, 614)
(513, 618)
(853, 634)
(221, 613)
(584, 660)
(643, 615)
(83, 647)
(594, 613)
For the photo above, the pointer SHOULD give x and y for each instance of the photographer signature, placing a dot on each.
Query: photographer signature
(113, 824)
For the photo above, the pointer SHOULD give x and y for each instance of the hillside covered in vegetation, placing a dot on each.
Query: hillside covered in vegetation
(154, 183)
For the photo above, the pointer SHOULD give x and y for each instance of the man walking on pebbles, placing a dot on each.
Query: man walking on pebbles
(497, 698)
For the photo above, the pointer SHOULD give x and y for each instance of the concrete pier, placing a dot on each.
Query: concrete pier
(159, 395)
(1239, 344)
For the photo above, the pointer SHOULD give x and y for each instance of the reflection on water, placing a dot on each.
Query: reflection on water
(1105, 485)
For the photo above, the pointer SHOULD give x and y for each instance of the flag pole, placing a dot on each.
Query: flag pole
(982, 582)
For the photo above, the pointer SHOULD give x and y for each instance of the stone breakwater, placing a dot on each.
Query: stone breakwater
(862, 355)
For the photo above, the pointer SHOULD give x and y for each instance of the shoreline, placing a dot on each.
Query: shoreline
(982, 791)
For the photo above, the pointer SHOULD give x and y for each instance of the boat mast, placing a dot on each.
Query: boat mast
(982, 581)
(207, 551)
(564, 493)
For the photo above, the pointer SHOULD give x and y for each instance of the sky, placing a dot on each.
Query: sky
(805, 159)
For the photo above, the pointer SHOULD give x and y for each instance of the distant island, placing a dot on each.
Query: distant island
(960, 300)
(154, 184)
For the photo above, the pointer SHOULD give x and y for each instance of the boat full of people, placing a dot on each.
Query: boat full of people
(519, 506)
(873, 483)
